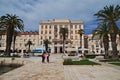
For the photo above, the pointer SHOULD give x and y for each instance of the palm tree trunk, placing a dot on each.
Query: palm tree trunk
(81, 41)
(14, 38)
(106, 45)
(119, 39)
(28, 48)
(63, 46)
(46, 46)
(9, 40)
(114, 46)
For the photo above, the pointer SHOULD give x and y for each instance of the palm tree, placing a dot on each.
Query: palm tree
(80, 32)
(64, 33)
(111, 14)
(102, 32)
(10, 22)
(46, 43)
(29, 43)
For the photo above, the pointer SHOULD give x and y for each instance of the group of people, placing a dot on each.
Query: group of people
(45, 57)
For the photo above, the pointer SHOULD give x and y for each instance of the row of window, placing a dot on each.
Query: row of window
(26, 36)
(50, 32)
(46, 37)
(25, 40)
(75, 42)
(46, 32)
(71, 26)
(16, 44)
(56, 36)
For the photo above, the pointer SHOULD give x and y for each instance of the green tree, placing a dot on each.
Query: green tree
(80, 32)
(64, 33)
(102, 32)
(10, 22)
(29, 43)
(110, 15)
(46, 43)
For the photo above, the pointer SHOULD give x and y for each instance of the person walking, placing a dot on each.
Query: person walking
(43, 57)
(47, 55)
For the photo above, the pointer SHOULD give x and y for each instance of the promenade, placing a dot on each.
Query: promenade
(35, 70)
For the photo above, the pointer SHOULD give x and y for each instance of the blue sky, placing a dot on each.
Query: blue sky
(33, 11)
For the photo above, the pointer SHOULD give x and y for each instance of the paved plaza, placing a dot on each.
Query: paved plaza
(35, 70)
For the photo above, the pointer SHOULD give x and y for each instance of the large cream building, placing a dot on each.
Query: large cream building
(50, 30)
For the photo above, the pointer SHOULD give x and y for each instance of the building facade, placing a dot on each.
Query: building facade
(96, 46)
(50, 30)
(21, 39)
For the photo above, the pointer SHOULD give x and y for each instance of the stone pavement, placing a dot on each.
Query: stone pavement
(35, 70)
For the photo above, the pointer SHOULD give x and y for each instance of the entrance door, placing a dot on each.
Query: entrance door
(61, 50)
(55, 49)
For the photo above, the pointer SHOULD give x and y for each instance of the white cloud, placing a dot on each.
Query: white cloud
(32, 11)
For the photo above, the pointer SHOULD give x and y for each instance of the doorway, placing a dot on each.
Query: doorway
(55, 49)
(61, 50)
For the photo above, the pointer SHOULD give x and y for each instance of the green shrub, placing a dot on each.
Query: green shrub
(67, 62)
(118, 64)
(81, 62)
(91, 56)
(84, 62)
(110, 60)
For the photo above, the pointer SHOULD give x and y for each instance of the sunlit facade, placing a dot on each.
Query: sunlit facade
(50, 30)
(21, 39)
(95, 45)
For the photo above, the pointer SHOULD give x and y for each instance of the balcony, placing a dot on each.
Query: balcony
(60, 40)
